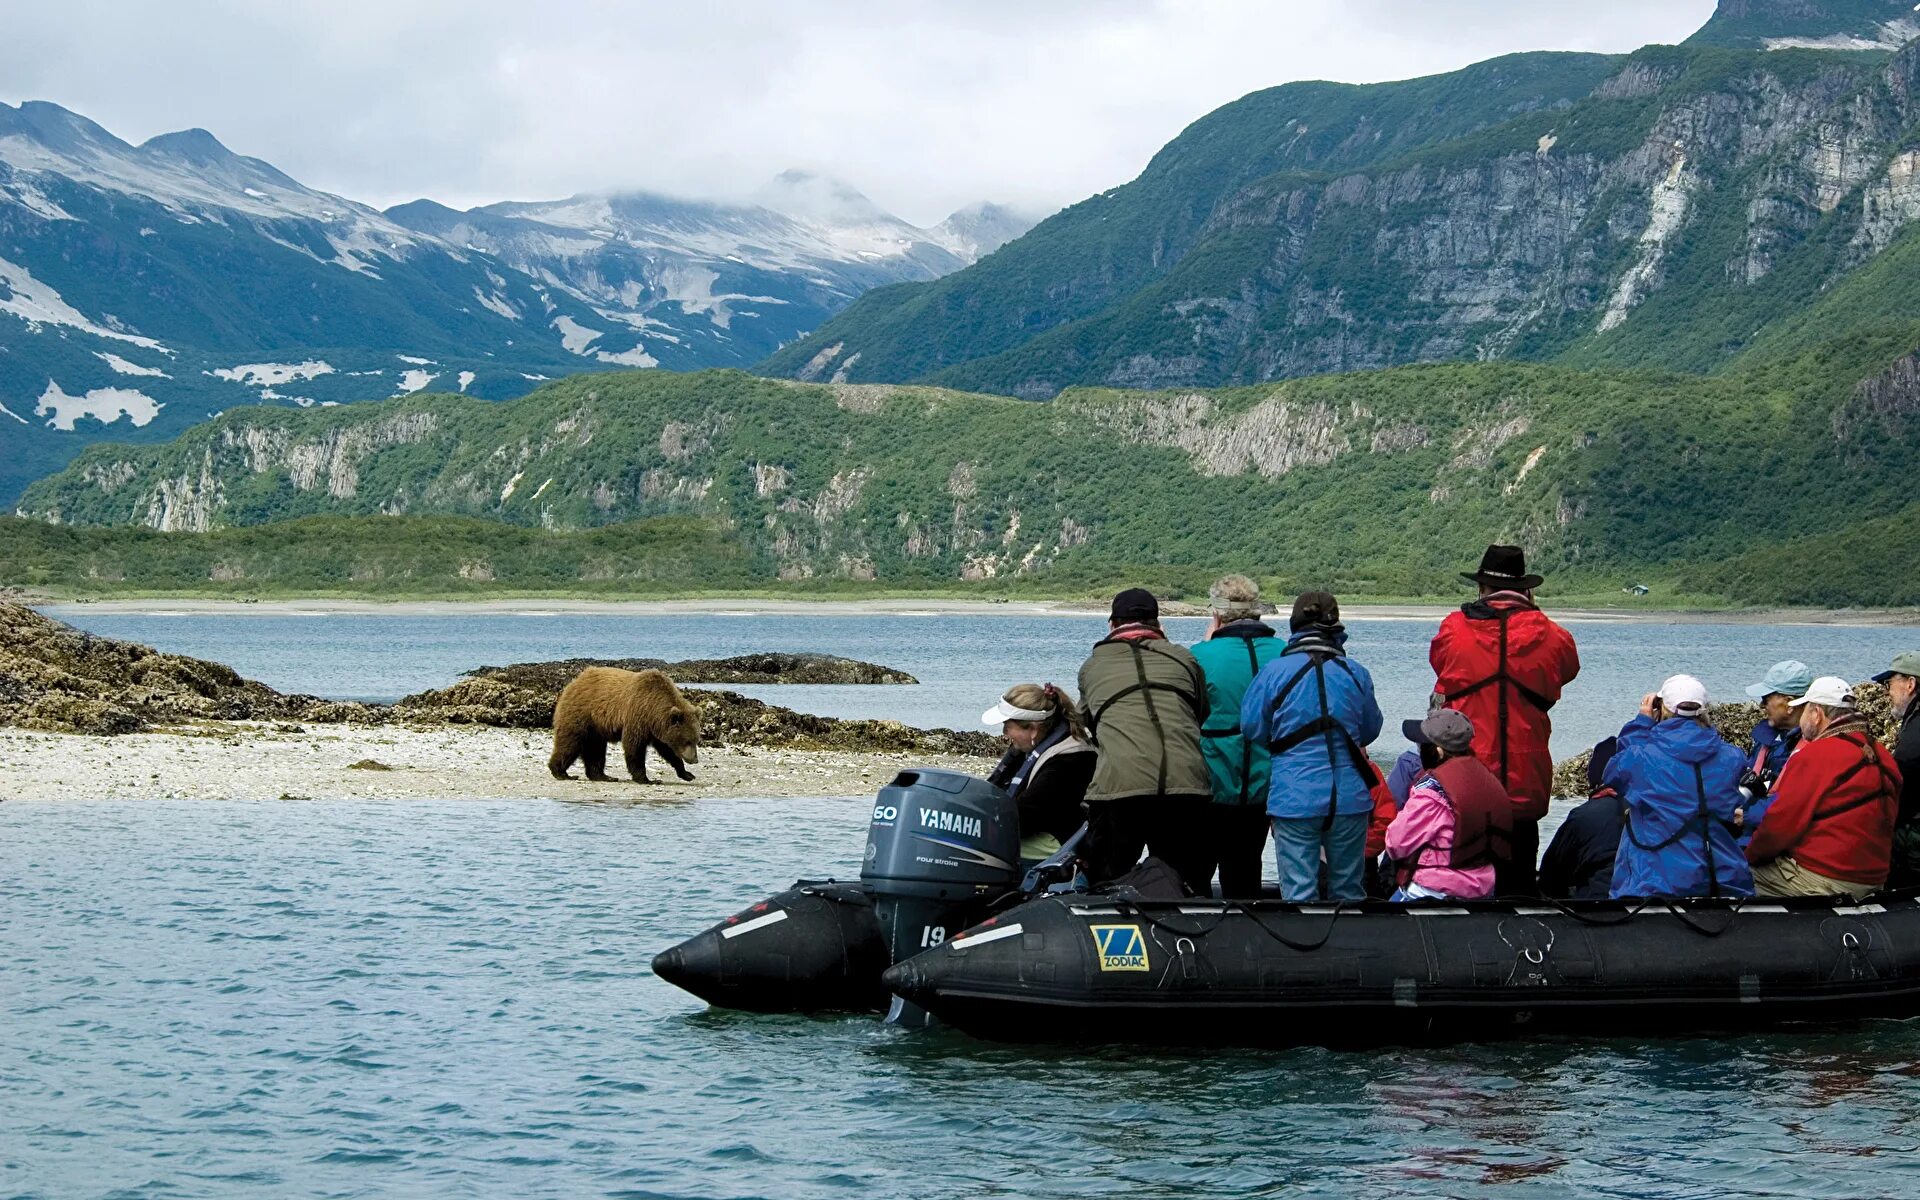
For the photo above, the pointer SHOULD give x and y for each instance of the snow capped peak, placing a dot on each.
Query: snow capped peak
(980, 229)
(56, 129)
(194, 145)
(194, 176)
(819, 199)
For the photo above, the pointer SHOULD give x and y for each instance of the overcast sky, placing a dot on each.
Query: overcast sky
(924, 105)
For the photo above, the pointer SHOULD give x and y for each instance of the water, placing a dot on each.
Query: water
(963, 662)
(341, 999)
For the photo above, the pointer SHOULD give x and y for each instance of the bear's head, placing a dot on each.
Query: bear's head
(681, 733)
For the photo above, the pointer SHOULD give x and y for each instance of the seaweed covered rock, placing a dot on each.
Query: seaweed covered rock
(56, 677)
(484, 701)
(743, 669)
(726, 719)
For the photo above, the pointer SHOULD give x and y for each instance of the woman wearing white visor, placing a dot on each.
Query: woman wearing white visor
(1048, 766)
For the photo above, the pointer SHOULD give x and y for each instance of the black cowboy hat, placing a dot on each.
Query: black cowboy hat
(1504, 567)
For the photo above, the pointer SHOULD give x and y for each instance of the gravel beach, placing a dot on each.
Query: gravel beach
(249, 760)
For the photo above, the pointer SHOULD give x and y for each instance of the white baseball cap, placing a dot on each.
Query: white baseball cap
(1683, 696)
(1828, 691)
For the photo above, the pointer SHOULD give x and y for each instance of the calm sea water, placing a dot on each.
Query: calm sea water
(339, 999)
(452, 999)
(963, 662)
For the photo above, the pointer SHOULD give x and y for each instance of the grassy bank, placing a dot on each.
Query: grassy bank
(668, 558)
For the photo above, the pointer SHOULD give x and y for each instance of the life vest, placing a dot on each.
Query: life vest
(1325, 726)
(1701, 822)
(1871, 757)
(1196, 698)
(1502, 678)
(1232, 729)
(1482, 818)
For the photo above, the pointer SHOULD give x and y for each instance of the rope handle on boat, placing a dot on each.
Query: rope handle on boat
(1228, 907)
(1645, 903)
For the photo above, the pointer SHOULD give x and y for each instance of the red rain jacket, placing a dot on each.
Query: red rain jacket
(1503, 663)
(1833, 809)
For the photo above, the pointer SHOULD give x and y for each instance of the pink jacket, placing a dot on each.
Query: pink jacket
(1426, 821)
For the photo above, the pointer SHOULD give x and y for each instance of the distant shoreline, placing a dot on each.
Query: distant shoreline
(908, 607)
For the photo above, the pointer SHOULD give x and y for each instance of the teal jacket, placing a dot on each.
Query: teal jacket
(1237, 768)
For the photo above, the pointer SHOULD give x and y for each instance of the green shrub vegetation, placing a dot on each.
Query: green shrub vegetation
(1376, 483)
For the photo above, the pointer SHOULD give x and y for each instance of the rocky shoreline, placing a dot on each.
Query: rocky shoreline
(58, 679)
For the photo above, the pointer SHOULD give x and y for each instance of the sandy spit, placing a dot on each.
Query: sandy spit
(251, 761)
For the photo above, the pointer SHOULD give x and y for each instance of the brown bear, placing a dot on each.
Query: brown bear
(638, 709)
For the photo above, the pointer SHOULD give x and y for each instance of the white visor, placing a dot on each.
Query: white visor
(1003, 712)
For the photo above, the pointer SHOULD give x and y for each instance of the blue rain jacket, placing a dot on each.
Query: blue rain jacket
(1317, 773)
(1678, 820)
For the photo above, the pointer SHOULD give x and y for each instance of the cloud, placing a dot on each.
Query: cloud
(924, 104)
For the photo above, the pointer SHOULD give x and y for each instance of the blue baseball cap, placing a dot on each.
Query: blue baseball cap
(1789, 678)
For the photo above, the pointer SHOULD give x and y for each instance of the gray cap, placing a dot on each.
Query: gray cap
(1789, 678)
(1447, 729)
(1907, 662)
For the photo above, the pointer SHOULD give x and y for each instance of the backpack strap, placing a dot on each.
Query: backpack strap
(1868, 758)
(1324, 726)
(1147, 685)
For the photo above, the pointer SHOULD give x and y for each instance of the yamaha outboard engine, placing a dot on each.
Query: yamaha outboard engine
(942, 844)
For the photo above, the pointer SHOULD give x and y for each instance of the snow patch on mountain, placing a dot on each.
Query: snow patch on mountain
(575, 337)
(416, 361)
(466, 379)
(37, 304)
(4, 410)
(273, 374)
(105, 405)
(414, 380)
(124, 367)
(1892, 35)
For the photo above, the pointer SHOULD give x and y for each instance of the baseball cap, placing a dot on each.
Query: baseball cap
(1683, 695)
(1828, 691)
(1314, 608)
(1907, 662)
(1789, 678)
(1447, 729)
(1135, 604)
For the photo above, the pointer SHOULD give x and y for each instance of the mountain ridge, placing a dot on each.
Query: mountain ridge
(1623, 210)
(143, 288)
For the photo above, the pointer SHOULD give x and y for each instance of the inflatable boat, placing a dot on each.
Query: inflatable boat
(943, 849)
(943, 922)
(1099, 968)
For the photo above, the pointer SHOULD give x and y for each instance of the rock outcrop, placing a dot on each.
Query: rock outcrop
(745, 668)
(53, 676)
(58, 678)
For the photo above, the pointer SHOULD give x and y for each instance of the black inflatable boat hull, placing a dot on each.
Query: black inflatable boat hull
(1088, 968)
(816, 947)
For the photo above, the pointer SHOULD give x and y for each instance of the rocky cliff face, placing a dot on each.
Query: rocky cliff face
(1674, 214)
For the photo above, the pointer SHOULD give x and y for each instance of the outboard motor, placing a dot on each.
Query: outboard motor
(941, 846)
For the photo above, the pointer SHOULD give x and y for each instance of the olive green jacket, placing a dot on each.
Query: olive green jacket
(1145, 699)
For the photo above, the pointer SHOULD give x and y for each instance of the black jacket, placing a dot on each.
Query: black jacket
(1052, 799)
(1578, 864)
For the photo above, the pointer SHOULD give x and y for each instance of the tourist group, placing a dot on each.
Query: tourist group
(1195, 755)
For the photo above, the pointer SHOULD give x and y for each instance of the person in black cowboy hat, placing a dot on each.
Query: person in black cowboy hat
(1503, 663)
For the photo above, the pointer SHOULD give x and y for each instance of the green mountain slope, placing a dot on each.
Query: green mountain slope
(1750, 24)
(1673, 209)
(1085, 258)
(1380, 482)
